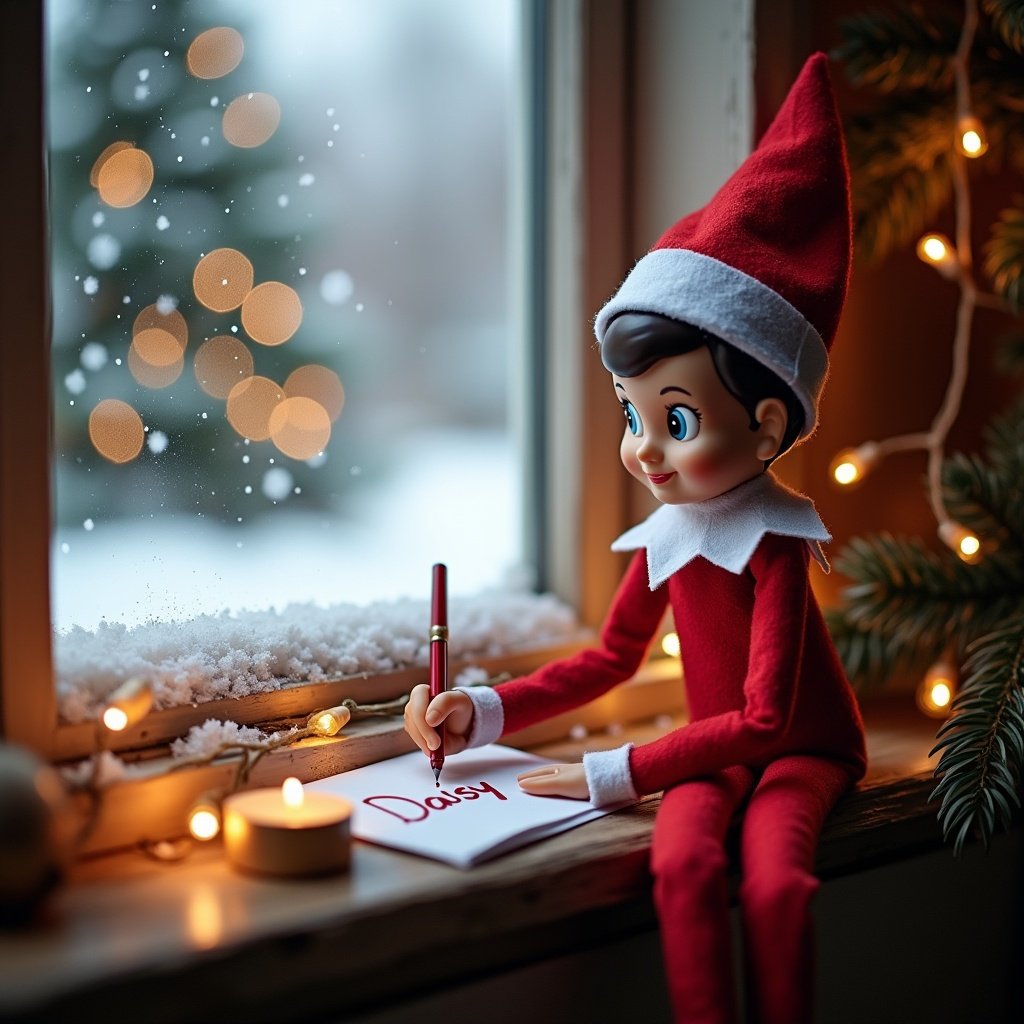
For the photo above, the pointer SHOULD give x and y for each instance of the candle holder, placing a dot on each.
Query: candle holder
(286, 832)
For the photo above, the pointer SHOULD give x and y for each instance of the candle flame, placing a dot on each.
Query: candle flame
(292, 793)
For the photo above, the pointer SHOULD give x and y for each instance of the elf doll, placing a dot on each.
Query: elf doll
(717, 345)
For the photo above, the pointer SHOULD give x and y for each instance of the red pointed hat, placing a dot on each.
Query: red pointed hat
(765, 264)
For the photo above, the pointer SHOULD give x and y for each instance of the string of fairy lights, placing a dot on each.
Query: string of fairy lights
(953, 260)
(133, 700)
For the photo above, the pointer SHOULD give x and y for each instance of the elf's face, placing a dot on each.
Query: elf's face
(687, 438)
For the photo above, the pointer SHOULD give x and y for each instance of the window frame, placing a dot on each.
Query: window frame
(578, 171)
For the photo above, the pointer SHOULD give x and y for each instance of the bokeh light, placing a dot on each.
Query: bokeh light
(250, 405)
(319, 383)
(116, 430)
(169, 320)
(300, 427)
(221, 363)
(251, 119)
(271, 313)
(125, 177)
(154, 375)
(114, 147)
(215, 53)
(157, 347)
(222, 280)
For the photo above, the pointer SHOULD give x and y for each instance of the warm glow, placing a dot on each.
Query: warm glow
(222, 279)
(221, 363)
(204, 918)
(959, 539)
(851, 465)
(935, 692)
(128, 704)
(125, 177)
(670, 644)
(250, 405)
(300, 427)
(251, 119)
(115, 719)
(215, 53)
(151, 375)
(971, 139)
(157, 347)
(934, 249)
(319, 383)
(204, 821)
(329, 722)
(271, 313)
(172, 322)
(114, 147)
(292, 793)
(116, 430)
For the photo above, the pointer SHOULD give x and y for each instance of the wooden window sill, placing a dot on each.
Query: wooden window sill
(131, 939)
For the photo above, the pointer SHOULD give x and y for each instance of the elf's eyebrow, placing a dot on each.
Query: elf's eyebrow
(665, 391)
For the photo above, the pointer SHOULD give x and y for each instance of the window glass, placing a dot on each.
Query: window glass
(281, 268)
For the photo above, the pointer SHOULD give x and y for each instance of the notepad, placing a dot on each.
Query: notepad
(478, 813)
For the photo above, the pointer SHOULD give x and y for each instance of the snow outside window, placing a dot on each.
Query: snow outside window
(283, 334)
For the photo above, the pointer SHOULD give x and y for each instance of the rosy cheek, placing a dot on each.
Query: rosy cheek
(701, 467)
(627, 453)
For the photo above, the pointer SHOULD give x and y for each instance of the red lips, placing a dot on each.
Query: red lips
(660, 478)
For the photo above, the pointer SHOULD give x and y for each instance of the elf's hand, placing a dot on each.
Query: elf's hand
(423, 715)
(556, 780)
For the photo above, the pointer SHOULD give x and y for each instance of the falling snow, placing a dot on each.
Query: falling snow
(94, 356)
(277, 483)
(90, 285)
(166, 304)
(336, 287)
(75, 382)
(218, 656)
(157, 442)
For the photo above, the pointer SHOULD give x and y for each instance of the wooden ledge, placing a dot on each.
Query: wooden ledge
(131, 939)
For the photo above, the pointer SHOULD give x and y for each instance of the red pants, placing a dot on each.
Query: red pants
(780, 831)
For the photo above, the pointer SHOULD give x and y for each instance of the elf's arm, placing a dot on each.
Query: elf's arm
(752, 733)
(566, 684)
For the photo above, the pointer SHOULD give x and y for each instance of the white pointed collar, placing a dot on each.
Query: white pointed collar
(725, 530)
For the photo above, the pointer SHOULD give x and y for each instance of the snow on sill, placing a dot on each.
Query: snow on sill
(213, 657)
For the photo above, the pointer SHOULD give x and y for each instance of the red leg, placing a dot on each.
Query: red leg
(691, 894)
(779, 839)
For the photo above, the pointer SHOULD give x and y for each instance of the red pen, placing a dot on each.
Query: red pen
(438, 655)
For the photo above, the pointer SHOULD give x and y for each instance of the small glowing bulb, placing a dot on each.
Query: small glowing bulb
(851, 465)
(935, 693)
(291, 792)
(204, 820)
(939, 252)
(960, 540)
(128, 704)
(329, 722)
(670, 644)
(971, 140)
(115, 719)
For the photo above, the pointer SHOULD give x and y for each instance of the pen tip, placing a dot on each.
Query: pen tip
(437, 777)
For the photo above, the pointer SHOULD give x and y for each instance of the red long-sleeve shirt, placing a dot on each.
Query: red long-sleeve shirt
(762, 676)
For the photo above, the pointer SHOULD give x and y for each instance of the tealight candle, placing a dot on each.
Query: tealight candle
(287, 831)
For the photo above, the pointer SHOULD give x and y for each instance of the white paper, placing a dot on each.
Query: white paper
(478, 813)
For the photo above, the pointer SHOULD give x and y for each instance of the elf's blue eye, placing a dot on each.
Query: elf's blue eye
(632, 419)
(683, 422)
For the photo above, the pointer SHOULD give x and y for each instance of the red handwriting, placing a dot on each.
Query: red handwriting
(409, 810)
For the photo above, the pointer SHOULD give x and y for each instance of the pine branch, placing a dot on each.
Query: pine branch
(892, 212)
(869, 656)
(1004, 254)
(898, 50)
(988, 503)
(1008, 20)
(914, 598)
(982, 744)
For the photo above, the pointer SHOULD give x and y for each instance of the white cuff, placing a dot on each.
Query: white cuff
(609, 778)
(488, 715)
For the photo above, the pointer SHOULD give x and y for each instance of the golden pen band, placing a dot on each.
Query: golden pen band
(438, 633)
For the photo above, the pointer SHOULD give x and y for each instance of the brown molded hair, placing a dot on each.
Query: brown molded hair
(634, 342)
